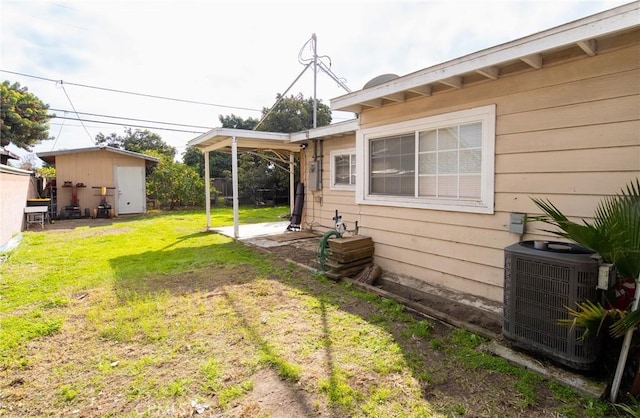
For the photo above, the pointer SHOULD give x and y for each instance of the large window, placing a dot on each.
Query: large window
(343, 169)
(441, 162)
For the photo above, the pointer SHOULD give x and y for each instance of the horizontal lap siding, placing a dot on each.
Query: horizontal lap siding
(569, 132)
(591, 136)
(320, 206)
(600, 160)
(606, 111)
(477, 279)
(582, 145)
(583, 183)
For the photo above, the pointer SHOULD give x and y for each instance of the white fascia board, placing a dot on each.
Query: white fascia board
(201, 138)
(46, 154)
(217, 134)
(611, 21)
(220, 134)
(67, 151)
(328, 130)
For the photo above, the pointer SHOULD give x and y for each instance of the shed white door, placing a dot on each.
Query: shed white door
(130, 190)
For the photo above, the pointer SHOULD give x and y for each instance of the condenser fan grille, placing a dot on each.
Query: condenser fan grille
(539, 286)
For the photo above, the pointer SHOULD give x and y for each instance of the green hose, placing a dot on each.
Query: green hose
(322, 253)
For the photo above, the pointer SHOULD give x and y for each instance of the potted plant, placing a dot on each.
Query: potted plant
(614, 233)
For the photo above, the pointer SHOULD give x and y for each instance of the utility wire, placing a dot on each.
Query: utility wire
(137, 120)
(153, 96)
(74, 109)
(128, 125)
(59, 132)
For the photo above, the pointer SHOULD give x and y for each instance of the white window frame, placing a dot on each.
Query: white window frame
(333, 154)
(484, 114)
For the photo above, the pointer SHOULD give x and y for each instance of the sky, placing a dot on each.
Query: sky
(235, 56)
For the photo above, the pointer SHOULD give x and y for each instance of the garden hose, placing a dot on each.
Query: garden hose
(322, 254)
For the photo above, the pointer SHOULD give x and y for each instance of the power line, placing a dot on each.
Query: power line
(127, 125)
(74, 109)
(59, 132)
(137, 120)
(153, 96)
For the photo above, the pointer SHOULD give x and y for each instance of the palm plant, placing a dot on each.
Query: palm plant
(614, 233)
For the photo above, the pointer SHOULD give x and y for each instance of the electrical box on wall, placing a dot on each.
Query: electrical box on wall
(517, 222)
(315, 176)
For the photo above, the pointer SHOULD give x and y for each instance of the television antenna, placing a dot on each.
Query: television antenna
(318, 64)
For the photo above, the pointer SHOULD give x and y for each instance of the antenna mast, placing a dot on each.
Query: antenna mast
(315, 79)
(317, 64)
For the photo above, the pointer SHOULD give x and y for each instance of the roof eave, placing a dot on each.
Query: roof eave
(49, 156)
(605, 23)
(337, 129)
(218, 138)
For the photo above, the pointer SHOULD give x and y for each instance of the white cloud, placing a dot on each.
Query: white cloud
(239, 53)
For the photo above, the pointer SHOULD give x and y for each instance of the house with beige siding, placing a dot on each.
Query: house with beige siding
(91, 175)
(440, 164)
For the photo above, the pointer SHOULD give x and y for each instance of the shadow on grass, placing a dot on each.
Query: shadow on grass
(180, 271)
(71, 224)
(186, 238)
(215, 267)
(227, 264)
(270, 355)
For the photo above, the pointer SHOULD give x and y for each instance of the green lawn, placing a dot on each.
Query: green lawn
(148, 316)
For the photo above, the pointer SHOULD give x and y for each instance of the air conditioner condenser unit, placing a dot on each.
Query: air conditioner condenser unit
(540, 283)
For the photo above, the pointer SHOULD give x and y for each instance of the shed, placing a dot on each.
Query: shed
(87, 176)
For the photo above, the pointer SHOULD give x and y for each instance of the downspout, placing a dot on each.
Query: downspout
(234, 171)
(207, 189)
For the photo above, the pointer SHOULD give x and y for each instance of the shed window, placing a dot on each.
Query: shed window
(442, 162)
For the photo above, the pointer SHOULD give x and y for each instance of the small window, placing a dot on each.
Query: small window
(443, 162)
(343, 169)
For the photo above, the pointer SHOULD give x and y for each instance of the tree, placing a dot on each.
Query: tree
(175, 184)
(254, 173)
(236, 122)
(137, 141)
(219, 162)
(291, 114)
(294, 114)
(46, 171)
(23, 117)
(194, 158)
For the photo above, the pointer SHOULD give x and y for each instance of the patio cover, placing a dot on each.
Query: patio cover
(241, 140)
